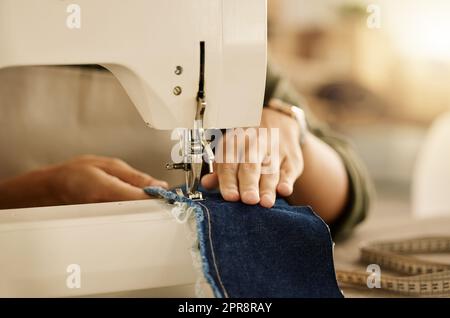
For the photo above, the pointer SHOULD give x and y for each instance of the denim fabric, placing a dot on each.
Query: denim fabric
(251, 251)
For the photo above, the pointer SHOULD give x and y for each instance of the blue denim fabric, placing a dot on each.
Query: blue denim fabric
(251, 251)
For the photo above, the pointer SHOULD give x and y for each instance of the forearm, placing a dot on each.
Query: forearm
(324, 183)
(27, 190)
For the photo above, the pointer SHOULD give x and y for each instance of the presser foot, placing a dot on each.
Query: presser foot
(195, 196)
(192, 172)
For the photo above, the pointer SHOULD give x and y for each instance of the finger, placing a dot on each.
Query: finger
(250, 168)
(228, 184)
(154, 183)
(210, 181)
(126, 173)
(111, 189)
(267, 189)
(289, 173)
(248, 176)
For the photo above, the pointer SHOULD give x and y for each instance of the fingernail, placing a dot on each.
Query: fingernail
(164, 185)
(267, 201)
(231, 195)
(284, 188)
(250, 197)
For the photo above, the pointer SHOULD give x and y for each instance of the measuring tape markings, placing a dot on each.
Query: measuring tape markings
(426, 278)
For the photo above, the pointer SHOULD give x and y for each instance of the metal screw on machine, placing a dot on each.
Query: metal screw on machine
(178, 70)
(177, 90)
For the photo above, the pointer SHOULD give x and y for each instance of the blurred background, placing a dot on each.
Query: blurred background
(377, 71)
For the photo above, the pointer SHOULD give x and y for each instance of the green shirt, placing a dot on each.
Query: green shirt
(360, 185)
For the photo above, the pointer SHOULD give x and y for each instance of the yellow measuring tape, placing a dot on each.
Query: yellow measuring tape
(417, 277)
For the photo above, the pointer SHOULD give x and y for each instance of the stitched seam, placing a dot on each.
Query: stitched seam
(212, 251)
(200, 216)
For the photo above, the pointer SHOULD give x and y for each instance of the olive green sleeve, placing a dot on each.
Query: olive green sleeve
(360, 185)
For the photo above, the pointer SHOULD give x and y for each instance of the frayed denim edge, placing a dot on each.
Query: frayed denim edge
(201, 238)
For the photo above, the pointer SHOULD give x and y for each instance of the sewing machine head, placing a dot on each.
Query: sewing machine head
(194, 64)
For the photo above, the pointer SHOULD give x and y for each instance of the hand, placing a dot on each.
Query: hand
(244, 181)
(90, 179)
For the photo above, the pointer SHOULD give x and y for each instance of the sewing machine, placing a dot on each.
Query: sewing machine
(194, 64)
(189, 64)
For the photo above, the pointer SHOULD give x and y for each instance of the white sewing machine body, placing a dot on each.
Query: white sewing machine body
(153, 49)
(142, 42)
(95, 249)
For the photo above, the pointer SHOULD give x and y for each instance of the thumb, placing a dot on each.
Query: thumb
(210, 181)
